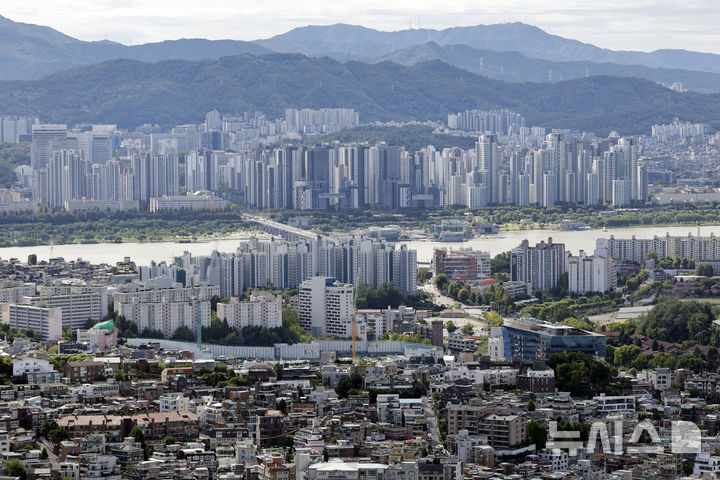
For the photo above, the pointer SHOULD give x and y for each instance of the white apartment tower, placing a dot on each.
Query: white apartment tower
(325, 307)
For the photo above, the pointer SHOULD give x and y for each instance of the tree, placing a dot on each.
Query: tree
(705, 270)
(15, 468)
(537, 434)
(138, 434)
(47, 427)
(672, 320)
(169, 440)
(581, 374)
(183, 334)
(32, 259)
(582, 324)
(67, 333)
(560, 313)
(343, 387)
(44, 454)
(58, 435)
(357, 380)
(468, 329)
(381, 297)
(441, 282)
(500, 263)
(494, 319)
(642, 361)
(424, 274)
(530, 406)
(625, 355)
(450, 326)
(279, 371)
(463, 294)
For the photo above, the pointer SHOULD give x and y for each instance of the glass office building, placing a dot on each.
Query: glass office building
(530, 339)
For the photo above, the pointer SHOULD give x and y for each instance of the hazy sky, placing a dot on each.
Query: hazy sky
(617, 24)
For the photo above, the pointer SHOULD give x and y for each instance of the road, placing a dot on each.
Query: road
(448, 302)
(51, 456)
(433, 430)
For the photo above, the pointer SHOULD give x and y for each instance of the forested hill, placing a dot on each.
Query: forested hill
(131, 93)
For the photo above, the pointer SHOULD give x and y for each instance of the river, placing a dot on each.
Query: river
(144, 253)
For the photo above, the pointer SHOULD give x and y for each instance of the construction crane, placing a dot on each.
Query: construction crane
(354, 321)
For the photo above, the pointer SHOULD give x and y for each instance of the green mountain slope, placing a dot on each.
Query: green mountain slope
(130, 93)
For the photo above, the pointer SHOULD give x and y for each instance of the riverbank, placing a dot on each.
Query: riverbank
(145, 252)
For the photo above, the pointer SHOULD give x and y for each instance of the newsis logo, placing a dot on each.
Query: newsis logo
(685, 438)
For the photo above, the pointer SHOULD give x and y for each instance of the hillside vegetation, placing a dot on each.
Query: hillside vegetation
(168, 93)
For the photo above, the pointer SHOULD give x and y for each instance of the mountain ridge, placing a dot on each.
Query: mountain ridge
(528, 40)
(30, 51)
(515, 67)
(172, 92)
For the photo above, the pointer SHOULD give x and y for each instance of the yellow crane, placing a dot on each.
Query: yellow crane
(354, 322)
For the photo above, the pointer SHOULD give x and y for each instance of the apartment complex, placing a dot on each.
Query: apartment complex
(262, 310)
(46, 322)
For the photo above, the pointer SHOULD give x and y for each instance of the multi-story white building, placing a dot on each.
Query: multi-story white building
(166, 316)
(78, 304)
(84, 204)
(609, 404)
(187, 202)
(174, 402)
(496, 347)
(706, 466)
(36, 370)
(690, 246)
(594, 273)
(202, 293)
(262, 310)
(47, 322)
(325, 307)
(15, 293)
(404, 270)
(555, 458)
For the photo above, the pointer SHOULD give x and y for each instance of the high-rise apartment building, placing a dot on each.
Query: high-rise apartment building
(541, 265)
(587, 273)
(325, 307)
(46, 140)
